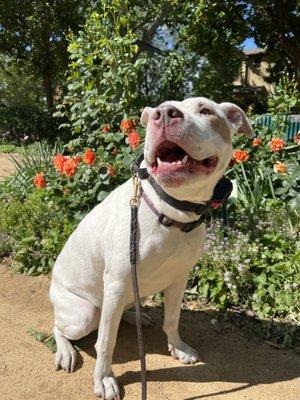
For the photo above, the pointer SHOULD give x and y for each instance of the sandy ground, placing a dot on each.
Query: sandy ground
(6, 165)
(232, 367)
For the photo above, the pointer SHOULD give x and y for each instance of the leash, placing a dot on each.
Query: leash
(134, 205)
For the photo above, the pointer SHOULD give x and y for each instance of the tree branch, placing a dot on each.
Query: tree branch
(149, 34)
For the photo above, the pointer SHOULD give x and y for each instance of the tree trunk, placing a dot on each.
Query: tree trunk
(48, 88)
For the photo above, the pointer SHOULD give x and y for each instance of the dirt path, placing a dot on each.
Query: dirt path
(232, 367)
(6, 165)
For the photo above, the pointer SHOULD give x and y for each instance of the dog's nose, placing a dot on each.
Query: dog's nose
(166, 113)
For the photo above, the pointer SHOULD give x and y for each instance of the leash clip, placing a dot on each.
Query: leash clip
(135, 199)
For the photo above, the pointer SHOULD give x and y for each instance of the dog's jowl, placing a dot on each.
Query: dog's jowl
(187, 148)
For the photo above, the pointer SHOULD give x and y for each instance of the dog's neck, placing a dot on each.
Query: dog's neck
(204, 194)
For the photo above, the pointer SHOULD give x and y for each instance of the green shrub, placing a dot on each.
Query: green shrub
(34, 230)
(20, 121)
(252, 266)
(103, 75)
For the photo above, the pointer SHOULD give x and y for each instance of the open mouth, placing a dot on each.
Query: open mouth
(172, 158)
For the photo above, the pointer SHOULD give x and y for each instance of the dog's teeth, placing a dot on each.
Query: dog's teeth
(184, 160)
(159, 162)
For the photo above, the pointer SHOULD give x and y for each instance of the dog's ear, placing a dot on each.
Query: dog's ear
(147, 111)
(237, 119)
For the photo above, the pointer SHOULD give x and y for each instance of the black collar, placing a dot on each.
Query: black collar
(221, 192)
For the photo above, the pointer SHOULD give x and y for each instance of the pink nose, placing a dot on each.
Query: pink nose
(164, 114)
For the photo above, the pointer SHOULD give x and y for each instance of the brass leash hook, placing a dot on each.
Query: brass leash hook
(135, 199)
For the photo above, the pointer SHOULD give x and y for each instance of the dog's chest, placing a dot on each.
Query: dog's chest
(167, 256)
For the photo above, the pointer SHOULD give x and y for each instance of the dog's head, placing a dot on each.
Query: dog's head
(188, 143)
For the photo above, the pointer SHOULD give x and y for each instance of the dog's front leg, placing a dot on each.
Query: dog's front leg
(114, 301)
(172, 307)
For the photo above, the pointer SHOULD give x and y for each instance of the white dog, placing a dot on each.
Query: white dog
(187, 148)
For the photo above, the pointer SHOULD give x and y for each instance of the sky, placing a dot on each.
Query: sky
(249, 44)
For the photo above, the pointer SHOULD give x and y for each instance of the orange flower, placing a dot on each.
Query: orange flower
(114, 152)
(297, 138)
(59, 161)
(70, 167)
(127, 125)
(39, 180)
(240, 156)
(280, 168)
(256, 142)
(134, 139)
(111, 171)
(276, 144)
(105, 128)
(89, 157)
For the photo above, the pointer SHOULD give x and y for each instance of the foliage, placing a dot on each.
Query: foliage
(217, 29)
(34, 229)
(23, 115)
(7, 148)
(26, 123)
(36, 31)
(252, 266)
(18, 85)
(284, 101)
(273, 168)
(102, 80)
(35, 158)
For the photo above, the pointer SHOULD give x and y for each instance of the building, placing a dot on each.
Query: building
(251, 86)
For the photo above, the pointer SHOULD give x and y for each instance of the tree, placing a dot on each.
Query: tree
(35, 31)
(217, 30)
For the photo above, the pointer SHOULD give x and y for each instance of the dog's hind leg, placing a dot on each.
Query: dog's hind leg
(75, 318)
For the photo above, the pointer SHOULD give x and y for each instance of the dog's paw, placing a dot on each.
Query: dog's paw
(107, 388)
(130, 318)
(65, 358)
(184, 353)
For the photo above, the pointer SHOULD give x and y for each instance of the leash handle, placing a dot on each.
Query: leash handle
(134, 204)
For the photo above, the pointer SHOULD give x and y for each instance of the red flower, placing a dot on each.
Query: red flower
(89, 157)
(276, 144)
(111, 171)
(241, 156)
(127, 125)
(134, 139)
(59, 161)
(256, 142)
(70, 167)
(39, 180)
(105, 128)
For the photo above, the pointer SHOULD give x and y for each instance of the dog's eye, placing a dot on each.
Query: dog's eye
(205, 111)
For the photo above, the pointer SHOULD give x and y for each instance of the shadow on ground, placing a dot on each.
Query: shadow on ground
(226, 354)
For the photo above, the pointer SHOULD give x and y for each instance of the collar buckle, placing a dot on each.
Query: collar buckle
(165, 221)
